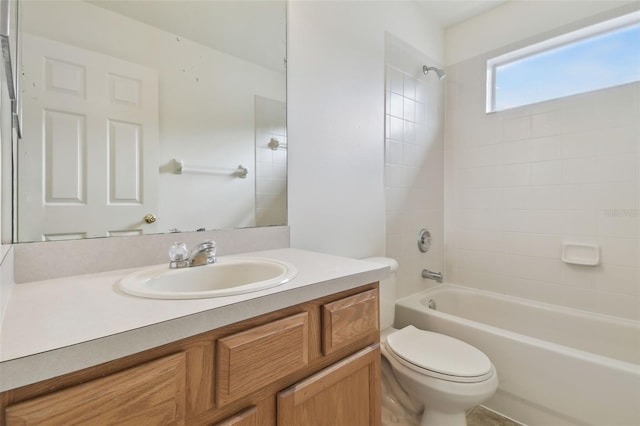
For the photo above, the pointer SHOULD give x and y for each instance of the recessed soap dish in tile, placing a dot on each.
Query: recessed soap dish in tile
(581, 254)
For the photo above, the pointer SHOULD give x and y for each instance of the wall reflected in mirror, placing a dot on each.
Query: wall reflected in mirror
(117, 94)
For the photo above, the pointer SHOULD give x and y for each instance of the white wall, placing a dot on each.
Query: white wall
(335, 107)
(521, 182)
(206, 108)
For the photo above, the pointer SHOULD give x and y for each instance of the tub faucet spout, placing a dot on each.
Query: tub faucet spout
(437, 276)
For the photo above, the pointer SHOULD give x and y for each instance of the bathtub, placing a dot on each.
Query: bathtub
(557, 366)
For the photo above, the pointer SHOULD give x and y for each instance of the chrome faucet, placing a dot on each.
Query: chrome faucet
(432, 275)
(202, 254)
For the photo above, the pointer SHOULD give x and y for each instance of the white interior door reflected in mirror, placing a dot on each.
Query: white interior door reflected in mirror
(88, 160)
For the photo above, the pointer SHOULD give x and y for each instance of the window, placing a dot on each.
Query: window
(600, 56)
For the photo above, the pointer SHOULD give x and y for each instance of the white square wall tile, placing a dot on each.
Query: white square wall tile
(580, 114)
(545, 197)
(409, 112)
(409, 154)
(619, 279)
(620, 251)
(622, 223)
(580, 222)
(396, 105)
(546, 221)
(394, 176)
(618, 196)
(517, 174)
(546, 173)
(516, 128)
(546, 148)
(581, 197)
(421, 91)
(546, 124)
(546, 245)
(517, 197)
(395, 128)
(394, 198)
(393, 152)
(620, 168)
(580, 144)
(393, 223)
(618, 106)
(517, 243)
(396, 80)
(409, 132)
(515, 152)
(409, 87)
(582, 170)
(619, 140)
(421, 113)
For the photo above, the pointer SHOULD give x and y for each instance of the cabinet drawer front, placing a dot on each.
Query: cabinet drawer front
(254, 358)
(349, 319)
(153, 393)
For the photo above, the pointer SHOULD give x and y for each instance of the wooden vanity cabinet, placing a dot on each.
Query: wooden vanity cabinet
(347, 393)
(315, 363)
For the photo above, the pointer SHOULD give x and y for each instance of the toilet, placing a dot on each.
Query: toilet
(442, 374)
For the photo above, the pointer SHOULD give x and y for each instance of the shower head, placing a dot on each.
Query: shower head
(441, 73)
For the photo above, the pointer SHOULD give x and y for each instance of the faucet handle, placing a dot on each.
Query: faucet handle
(178, 253)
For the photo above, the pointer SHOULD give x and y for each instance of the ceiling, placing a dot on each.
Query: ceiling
(255, 29)
(451, 12)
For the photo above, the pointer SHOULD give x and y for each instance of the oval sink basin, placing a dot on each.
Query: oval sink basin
(226, 277)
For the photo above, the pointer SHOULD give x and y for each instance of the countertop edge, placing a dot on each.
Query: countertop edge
(34, 368)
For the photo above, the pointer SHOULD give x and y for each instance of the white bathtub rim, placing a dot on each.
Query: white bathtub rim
(414, 301)
(531, 302)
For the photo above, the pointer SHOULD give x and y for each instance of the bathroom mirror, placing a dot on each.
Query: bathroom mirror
(147, 116)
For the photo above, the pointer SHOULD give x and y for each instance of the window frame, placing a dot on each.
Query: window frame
(594, 30)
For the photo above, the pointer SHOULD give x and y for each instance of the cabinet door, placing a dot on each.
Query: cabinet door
(153, 393)
(346, 320)
(248, 417)
(344, 394)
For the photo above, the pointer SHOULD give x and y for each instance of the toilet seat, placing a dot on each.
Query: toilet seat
(439, 356)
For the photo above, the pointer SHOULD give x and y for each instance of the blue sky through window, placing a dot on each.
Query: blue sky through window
(600, 61)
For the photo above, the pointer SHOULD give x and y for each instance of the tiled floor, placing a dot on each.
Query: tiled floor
(480, 416)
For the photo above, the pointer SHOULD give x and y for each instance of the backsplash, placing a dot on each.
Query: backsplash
(523, 181)
(46, 260)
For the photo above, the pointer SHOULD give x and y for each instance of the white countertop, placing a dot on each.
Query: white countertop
(56, 326)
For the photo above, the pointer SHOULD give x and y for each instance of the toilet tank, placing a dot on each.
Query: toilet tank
(388, 291)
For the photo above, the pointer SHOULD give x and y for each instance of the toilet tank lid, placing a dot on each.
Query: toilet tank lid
(387, 261)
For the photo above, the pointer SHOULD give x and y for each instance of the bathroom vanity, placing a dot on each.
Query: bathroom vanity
(306, 352)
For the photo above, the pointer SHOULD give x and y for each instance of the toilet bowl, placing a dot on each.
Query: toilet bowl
(443, 375)
(446, 376)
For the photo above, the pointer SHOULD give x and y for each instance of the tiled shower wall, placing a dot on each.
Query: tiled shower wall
(271, 164)
(523, 181)
(414, 161)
